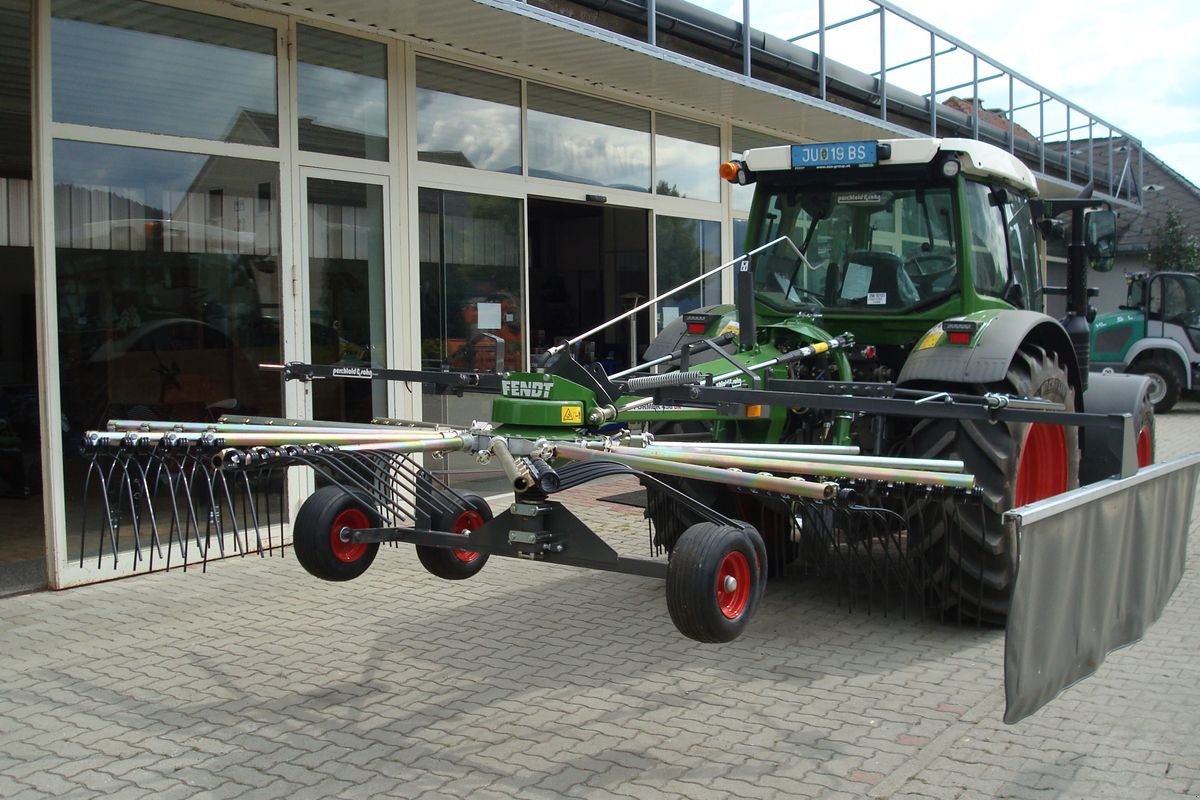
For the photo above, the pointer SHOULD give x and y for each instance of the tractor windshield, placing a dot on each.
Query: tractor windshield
(879, 249)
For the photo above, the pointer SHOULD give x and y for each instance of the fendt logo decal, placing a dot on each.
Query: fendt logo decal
(537, 390)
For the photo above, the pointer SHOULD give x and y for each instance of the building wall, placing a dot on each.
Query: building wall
(224, 187)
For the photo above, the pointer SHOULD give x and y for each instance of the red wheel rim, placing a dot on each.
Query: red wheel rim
(1042, 470)
(733, 584)
(466, 522)
(1145, 447)
(348, 552)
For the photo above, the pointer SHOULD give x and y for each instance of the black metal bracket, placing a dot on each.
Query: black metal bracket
(543, 530)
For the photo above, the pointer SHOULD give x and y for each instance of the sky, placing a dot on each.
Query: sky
(1134, 65)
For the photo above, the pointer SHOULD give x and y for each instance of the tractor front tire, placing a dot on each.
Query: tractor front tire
(457, 564)
(968, 556)
(1166, 379)
(316, 534)
(714, 581)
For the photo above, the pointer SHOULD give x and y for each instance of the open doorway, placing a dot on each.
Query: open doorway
(587, 264)
(23, 536)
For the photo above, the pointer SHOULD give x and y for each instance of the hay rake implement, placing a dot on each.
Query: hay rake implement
(172, 494)
(744, 503)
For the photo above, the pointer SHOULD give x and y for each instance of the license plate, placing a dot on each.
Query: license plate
(839, 154)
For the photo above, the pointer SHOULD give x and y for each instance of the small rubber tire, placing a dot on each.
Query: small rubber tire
(713, 581)
(456, 565)
(316, 534)
(1167, 379)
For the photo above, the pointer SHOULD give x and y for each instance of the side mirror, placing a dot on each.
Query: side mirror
(1101, 239)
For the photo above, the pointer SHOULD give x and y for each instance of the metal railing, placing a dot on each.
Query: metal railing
(1053, 135)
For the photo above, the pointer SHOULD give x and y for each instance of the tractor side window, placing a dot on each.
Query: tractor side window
(1023, 254)
(989, 250)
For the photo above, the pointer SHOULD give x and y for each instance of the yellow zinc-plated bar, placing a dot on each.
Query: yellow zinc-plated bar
(928, 464)
(747, 480)
(724, 447)
(160, 426)
(857, 472)
(232, 457)
(263, 437)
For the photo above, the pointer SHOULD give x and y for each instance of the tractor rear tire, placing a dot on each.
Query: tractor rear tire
(714, 581)
(1166, 377)
(456, 565)
(316, 534)
(968, 554)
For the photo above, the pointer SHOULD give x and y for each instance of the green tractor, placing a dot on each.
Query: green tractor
(927, 255)
(1156, 333)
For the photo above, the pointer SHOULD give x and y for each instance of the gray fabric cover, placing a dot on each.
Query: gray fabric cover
(1096, 567)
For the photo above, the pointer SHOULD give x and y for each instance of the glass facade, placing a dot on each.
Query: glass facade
(471, 308)
(167, 288)
(686, 158)
(139, 66)
(467, 117)
(347, 295)
(685, 249)
(171, 284)
(341, 86)
(573, 137)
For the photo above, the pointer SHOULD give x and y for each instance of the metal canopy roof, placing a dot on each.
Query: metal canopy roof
(514, 33)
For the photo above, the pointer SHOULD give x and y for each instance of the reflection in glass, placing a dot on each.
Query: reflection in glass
(167, 288)
(347, 295)
(686, 158)
(145, 67)
(685, 248)
(744, 140)
(471, 307)
(468, 117)
(342, 89)
(586, 140)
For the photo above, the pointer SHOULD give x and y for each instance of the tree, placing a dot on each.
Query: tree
(1173, 247)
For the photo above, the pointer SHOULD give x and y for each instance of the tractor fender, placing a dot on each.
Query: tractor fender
(1162, 345)
(1108, 452)
(987, 358)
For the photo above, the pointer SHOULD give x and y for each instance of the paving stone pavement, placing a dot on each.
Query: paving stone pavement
(256, 681)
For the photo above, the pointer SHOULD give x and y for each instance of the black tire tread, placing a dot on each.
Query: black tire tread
(441, 562)
(1172, 375)
(691, 578)
(973, 567)
(310, 534)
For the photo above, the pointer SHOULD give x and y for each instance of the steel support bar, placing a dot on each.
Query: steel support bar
(561, 538)
(776, 394)
(818, 490)
(892, 473)
(476, 381)
(835, 25)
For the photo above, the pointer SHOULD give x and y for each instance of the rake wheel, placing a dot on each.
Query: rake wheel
(316, 534)
(458, 564)
(714, 581)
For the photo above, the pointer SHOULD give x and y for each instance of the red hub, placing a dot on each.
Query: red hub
(1042, 470)
(1145, 447)
(466, 522)
(733, 584)
(349, 552)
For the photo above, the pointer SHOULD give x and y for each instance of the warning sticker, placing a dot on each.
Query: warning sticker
(572, 415)
(877, 298)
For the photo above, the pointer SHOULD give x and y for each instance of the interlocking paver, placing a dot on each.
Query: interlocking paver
(256, 681)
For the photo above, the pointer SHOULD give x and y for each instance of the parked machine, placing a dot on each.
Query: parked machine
(1155, 333)
(885, 399)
